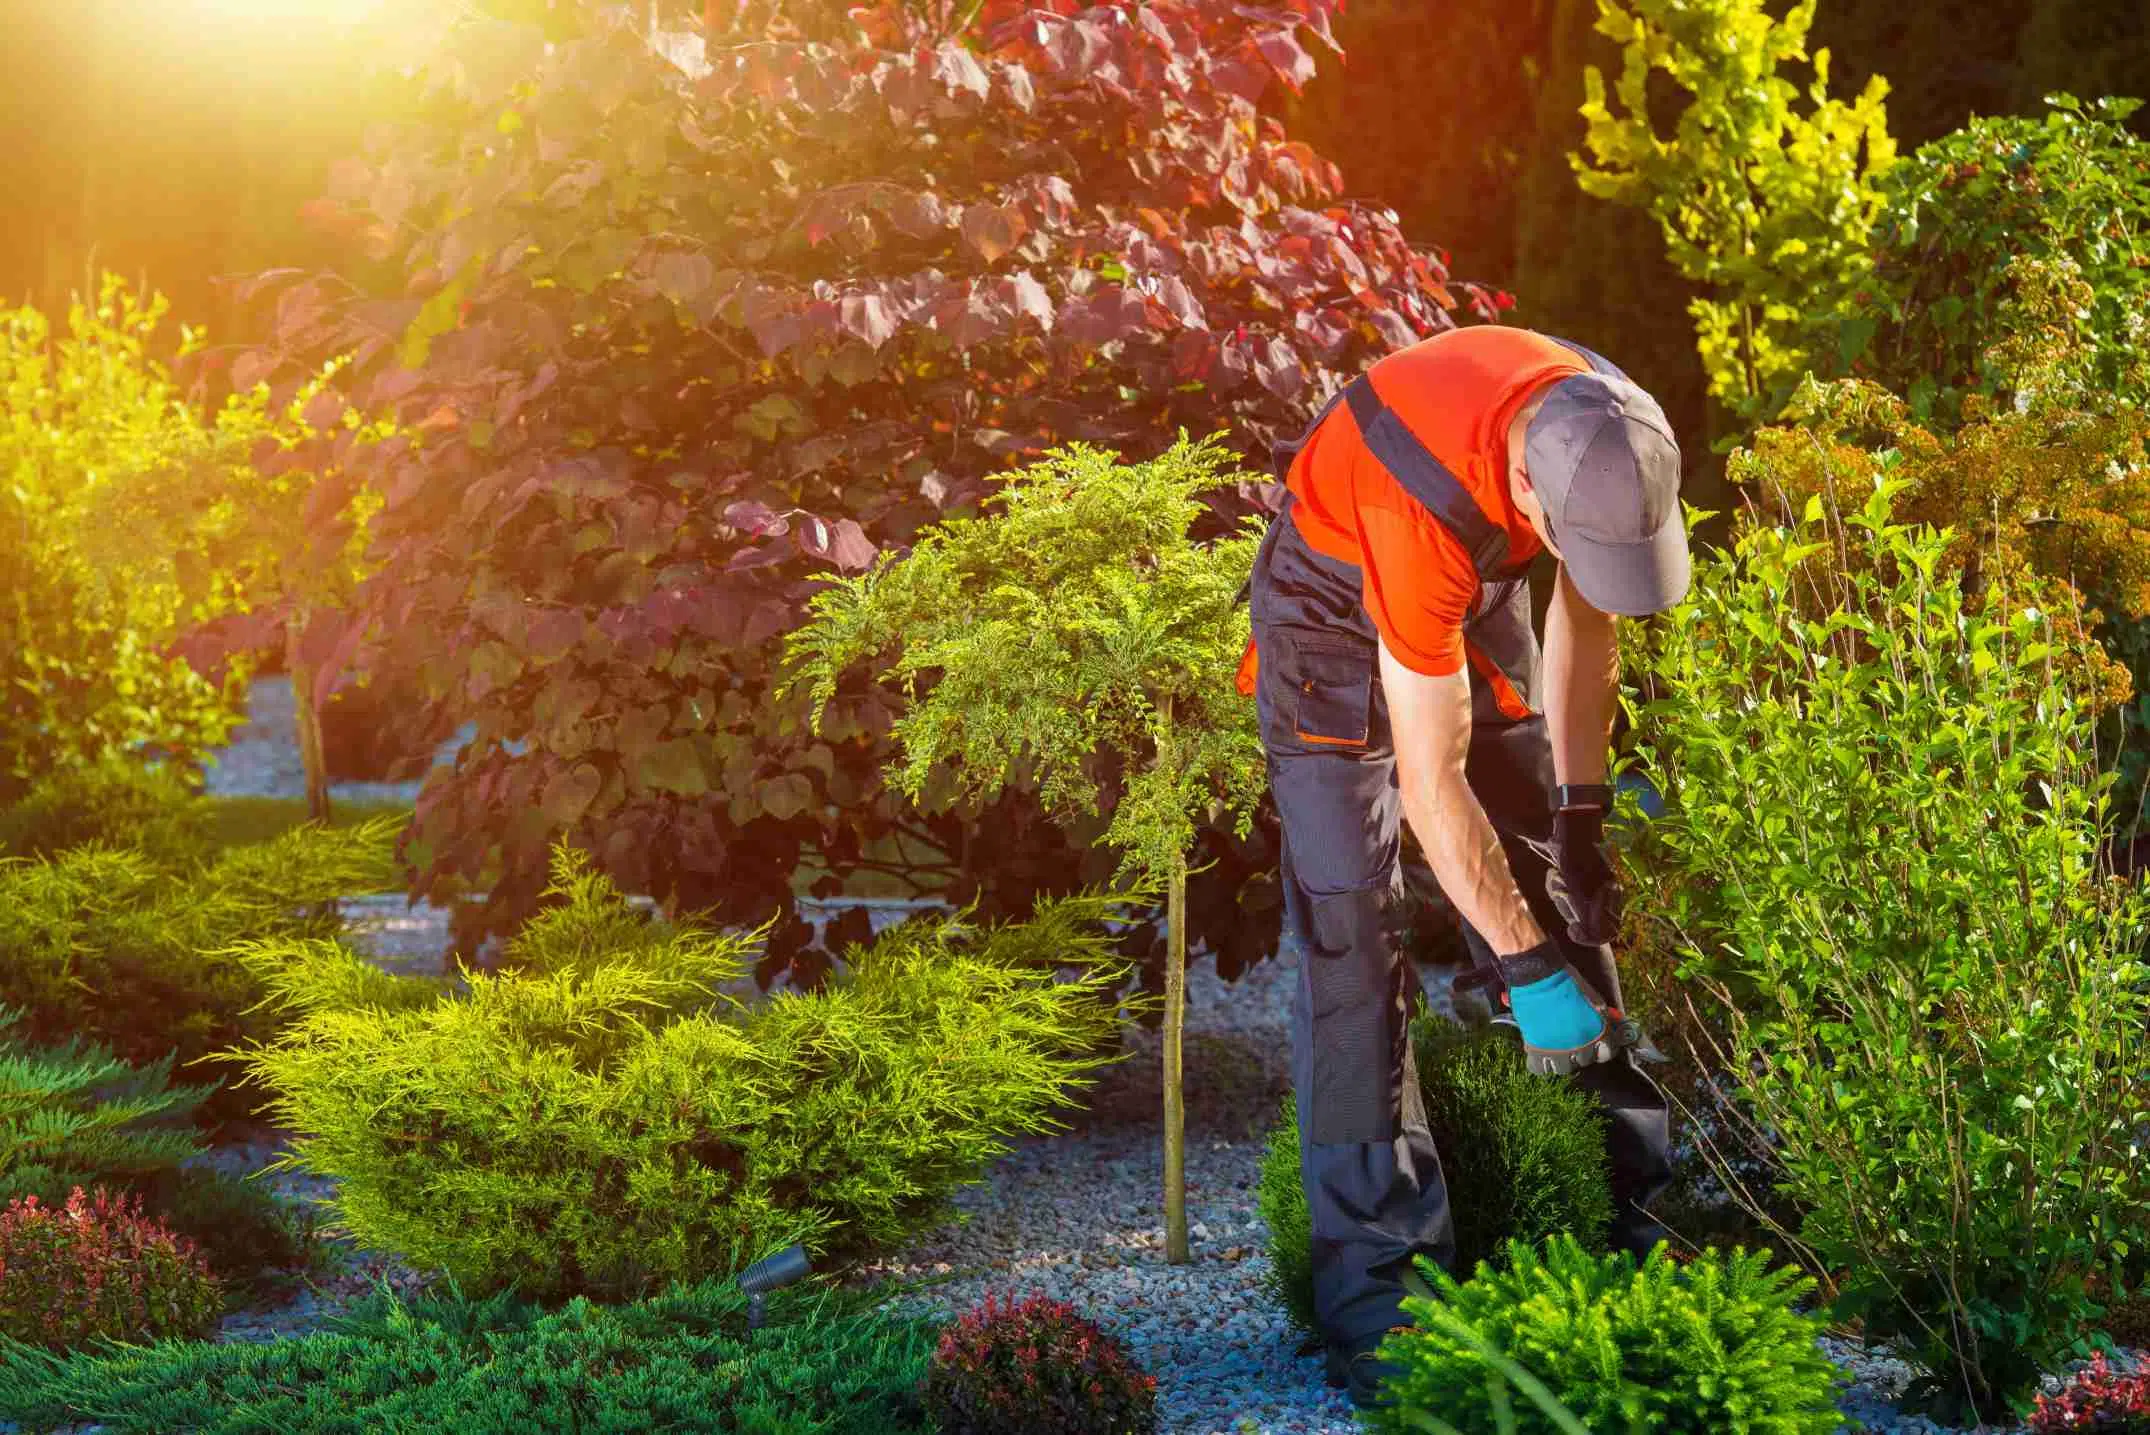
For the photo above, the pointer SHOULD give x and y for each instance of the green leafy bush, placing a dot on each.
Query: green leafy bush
(2072, 185)
(113, 802)
(105, 945)
(596, 1119)
(1883, 804)
(98, 1268)
(1711, 1347)
(825, 1364)
(83, 674)
(1765, 207)
(1524, 1159)
(1038, 1367)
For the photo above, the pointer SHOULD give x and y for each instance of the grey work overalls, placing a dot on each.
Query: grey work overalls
(1372, 1175)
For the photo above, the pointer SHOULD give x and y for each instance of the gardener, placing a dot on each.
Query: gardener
(1397, 674)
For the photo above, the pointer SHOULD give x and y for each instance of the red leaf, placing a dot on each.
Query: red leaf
(682, 278)
(1293, 64)
(866, 316)
(755, 517)
(1021, 92)
(1026, 296)
(921, 216)
(957, 69)
(553, 633)
(324, 411)
(1194, 356)
(813, 537)
(993, 229)
(850, 548)
(251, 367)
(1277, 367)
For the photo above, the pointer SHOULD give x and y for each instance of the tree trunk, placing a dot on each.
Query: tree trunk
(1175, 1106)
(306, 714)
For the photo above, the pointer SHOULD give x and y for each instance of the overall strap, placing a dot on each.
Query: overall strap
(1428, 480)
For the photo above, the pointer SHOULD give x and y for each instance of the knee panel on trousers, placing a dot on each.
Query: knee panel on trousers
(1355, 1024)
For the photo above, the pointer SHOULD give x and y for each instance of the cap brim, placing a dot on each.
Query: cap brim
(1632, 580)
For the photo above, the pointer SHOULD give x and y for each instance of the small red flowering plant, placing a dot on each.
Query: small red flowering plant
(1038, 1367)
(2098, 1399)
(98, 1267)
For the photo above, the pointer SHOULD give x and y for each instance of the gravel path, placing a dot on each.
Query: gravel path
(1077, 1214)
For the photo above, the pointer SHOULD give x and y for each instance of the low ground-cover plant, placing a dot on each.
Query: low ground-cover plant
(597, 1118)
(114, 802)
(78, 1116)
(1038, 1367)
(97, 1267)
(824, 1364)
(1524, 1159)
(2097, 1401)
(105, 945)
(1887, 796)
(1710, 1347)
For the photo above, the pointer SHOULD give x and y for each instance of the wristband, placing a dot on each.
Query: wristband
(1535, 965)
(1583, 794)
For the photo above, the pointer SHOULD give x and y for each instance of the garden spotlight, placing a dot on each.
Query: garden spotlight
(780, 1269)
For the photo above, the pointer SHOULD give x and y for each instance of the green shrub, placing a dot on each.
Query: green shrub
(1711, 1347)
(2072, 185)
(825, 1364)
(102, 944)
(1524, 1158)
(1038, 1367)
(115, 803)
(77, 1115)
(1886, 798)
(84, 674)
(594, 1120)
(98, 1268)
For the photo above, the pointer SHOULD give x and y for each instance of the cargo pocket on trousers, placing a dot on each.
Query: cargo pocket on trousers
(1335, 700)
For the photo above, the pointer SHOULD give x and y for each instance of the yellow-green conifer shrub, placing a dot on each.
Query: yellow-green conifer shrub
(600, 1118)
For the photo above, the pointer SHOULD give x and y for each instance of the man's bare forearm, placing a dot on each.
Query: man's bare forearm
(1466, 856)
(1582, 684)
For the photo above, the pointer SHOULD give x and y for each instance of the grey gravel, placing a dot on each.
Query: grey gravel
(1075, 1215)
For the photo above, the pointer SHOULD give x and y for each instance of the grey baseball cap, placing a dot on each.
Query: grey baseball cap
(1602, 458)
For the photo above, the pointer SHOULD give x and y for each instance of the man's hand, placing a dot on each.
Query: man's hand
(1582, 884)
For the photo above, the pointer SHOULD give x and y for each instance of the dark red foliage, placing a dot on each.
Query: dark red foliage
(1037, 1367)
(98, 1267)
(2098, 1399)
(673, 350)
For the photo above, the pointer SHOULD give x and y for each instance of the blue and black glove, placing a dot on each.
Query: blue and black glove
(1563, 1026)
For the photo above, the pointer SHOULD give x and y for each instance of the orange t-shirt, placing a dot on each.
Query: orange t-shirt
(1458, 392)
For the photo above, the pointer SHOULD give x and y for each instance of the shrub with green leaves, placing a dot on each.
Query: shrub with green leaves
(598, 1118)
(2072, 185)
(825, 1364)
(1524, 1159)
(1891, 809)
(105, 945)
(1766, 207)
(114, 802)
(96, 1267)
(1714, 1346)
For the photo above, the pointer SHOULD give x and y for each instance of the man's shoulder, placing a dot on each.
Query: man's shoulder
(1477, 345)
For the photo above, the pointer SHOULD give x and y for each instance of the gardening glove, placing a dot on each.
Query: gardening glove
(1563, 1028)
(1581, 884)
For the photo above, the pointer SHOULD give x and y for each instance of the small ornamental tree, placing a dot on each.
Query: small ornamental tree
(1080, 634)
(691, 321)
